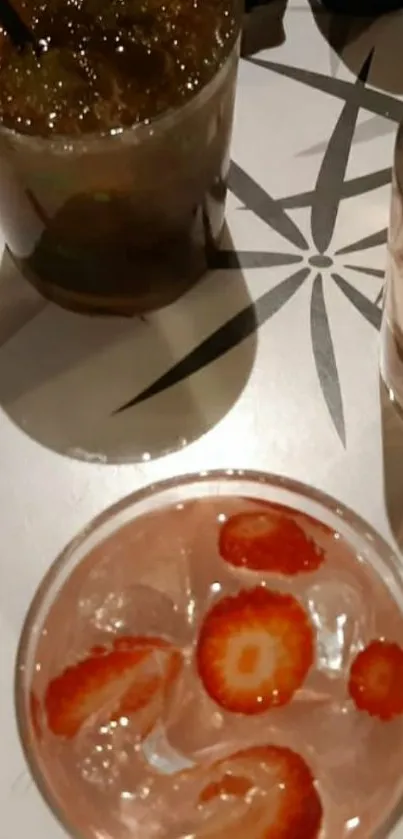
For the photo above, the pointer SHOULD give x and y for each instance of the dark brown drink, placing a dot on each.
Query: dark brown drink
(114, 147)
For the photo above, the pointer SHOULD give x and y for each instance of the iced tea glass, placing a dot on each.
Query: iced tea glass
(218, 654)
(124, 222)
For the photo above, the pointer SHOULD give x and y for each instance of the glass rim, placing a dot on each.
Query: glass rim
(137, 133)
(358, 524)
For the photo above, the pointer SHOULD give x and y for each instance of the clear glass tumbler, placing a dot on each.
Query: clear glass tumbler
(151, 567)
(392, 323)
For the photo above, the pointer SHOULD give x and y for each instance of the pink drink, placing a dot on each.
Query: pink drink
(149, 751)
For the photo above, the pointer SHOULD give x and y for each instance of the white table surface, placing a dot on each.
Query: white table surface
(299, 395)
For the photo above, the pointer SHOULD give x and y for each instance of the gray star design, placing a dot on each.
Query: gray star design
(324, 200)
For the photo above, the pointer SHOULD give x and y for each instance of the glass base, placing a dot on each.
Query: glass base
(120, 306)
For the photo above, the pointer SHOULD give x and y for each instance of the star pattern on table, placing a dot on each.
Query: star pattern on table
(309, 260)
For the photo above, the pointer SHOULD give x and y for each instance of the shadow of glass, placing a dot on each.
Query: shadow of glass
(19, 302)
(65, 378)
(353, 38)
(392, 443)
(263, 28)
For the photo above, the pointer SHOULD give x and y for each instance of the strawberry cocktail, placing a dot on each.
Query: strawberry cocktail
(218, 656)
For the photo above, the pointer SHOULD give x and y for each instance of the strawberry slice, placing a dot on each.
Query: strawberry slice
(228, 785)
(254, 650)
(136, 675)
(376, 680)
(278, 789)
(268, 540)
(167, 664)
(283, 509)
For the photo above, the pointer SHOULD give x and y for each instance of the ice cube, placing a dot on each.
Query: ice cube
(136, 610)
(342, 620)
(161, 755)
